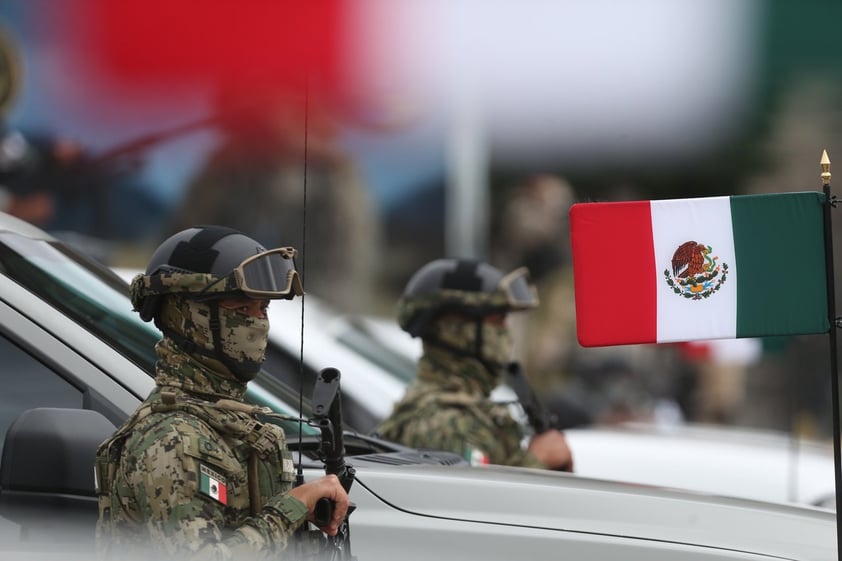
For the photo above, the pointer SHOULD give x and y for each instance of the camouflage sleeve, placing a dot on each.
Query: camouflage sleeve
(509, 434)
(269, 531)
(524, 458)
(183, 522)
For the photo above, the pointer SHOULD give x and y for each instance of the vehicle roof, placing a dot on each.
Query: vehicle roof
(14, 224)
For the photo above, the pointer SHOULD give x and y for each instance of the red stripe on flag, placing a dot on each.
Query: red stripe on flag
(613, 273)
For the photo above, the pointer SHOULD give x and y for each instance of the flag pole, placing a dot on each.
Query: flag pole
(829, 203)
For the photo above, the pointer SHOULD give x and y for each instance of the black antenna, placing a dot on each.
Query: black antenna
(299, 477)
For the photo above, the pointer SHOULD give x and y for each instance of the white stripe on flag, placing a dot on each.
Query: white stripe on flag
(213, 488)
(707, 221)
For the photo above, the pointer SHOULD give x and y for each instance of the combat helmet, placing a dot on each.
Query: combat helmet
(466, 287)
(207, 264)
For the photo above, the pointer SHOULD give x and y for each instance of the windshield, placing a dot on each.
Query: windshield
(94, 298)
(97, 300)
(373, 343)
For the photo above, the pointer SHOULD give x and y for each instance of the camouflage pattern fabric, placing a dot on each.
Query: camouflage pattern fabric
(243, 339)
(177, 283)
(173, 480)
(447, 407)
(460, 335)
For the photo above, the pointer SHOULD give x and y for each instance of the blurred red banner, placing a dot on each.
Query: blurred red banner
(243, 44)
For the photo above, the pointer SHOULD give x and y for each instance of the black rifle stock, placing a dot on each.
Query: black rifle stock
(327, 416)
(539, 419)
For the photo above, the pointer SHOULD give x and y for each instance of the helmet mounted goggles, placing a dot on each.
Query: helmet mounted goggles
(512, 292)
(269, 275)
(465, 287)
(519, 293)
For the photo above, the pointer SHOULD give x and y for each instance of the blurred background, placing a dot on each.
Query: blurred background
(377, 135)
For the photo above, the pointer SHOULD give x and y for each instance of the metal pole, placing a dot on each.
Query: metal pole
(834, 371)
(466, 200)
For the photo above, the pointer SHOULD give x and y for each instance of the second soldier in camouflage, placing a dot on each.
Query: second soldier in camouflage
(458, 308)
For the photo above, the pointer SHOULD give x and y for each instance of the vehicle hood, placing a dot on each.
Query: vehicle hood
(571, 503)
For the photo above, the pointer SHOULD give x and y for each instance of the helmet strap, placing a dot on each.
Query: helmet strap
(492, 369)
(419, 326)
(181, 341)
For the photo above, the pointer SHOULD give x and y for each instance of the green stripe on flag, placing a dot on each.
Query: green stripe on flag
(781, 279)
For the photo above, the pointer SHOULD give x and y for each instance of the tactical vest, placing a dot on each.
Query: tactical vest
(229, 418)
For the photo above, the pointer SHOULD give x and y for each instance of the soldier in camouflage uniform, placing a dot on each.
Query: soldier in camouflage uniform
(458, 308)
(194, 472)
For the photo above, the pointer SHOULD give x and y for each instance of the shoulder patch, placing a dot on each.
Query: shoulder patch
(210, 451)
(213, 484)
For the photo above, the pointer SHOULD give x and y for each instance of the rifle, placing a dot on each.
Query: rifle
(538, 418)
(327, 417)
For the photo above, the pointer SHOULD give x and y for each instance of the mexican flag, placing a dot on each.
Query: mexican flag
(213, 484)
(705, 268)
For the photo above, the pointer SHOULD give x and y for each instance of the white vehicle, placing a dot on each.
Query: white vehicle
(368, 388)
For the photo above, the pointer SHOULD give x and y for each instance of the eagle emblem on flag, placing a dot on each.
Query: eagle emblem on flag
(694, 271)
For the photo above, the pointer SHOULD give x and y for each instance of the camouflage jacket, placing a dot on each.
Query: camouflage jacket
(448, 407)
(174, 480)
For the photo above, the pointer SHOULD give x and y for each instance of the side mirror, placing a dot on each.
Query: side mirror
(47, 475)
(51, 450)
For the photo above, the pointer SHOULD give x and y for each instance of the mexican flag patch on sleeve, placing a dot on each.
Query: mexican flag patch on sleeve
(213, 484)
(476, 456)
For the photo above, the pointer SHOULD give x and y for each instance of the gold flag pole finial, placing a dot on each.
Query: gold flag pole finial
(825, 162)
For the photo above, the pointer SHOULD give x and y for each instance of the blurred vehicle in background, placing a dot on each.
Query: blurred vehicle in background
(757, 464)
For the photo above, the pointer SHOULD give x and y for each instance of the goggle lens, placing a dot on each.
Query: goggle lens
(519, 292)
(270, 274)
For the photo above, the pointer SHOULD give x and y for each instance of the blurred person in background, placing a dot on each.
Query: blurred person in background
(610, 385)
(30, 165)
(273, 144)
(533, 232)
(459, 308)
(718, 370)
(88, 201)
(28, 170)
(56, 183)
